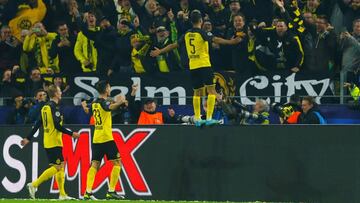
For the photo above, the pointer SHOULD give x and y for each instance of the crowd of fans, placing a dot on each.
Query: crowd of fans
(109, 37)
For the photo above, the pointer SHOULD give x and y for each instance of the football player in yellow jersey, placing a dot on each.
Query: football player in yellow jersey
(103, 141)
(51, 120)
(197, 44)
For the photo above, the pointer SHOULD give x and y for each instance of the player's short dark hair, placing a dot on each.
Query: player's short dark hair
(101, 86)
(195, 16)
(52, 89)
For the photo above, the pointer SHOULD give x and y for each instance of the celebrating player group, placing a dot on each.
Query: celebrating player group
(103, 143)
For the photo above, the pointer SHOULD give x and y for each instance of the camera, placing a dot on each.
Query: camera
(248, 115)
(284, 111)
(236, 110)
(185, 119)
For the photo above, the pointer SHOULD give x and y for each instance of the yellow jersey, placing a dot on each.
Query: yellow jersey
(103, 121)
(51, 120)
(197, 47)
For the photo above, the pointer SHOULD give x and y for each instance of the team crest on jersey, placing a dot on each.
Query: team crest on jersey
(57, 114)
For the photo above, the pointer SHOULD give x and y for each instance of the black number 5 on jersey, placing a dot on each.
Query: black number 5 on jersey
(191, 42)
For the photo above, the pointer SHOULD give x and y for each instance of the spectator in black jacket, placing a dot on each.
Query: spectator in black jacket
(218, 15)
(9, 49)
(310, 115)
(34, 83)
(321, 46)
(146, 11)
(8, 87)
(286, 48)
(239, 52)
(63, 47)
(122, 60)
(104, 42)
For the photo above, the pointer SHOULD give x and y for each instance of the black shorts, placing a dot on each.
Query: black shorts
(107, 148)
(202, 77)
(54, 155)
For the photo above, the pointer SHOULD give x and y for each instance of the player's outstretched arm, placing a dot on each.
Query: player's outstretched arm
(156, 52)
(233, 41)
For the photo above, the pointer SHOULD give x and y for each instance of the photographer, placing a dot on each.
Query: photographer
(238, 113)
(289, 112)
(20, 111)
(260, 114)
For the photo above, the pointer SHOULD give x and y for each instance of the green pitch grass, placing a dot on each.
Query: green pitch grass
(121, 201)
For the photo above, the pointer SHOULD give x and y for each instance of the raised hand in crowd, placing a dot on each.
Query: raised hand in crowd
(344, 35)
(134, 89)
(171, 15)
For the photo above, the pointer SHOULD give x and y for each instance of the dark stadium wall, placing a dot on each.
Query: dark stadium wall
(246, 163)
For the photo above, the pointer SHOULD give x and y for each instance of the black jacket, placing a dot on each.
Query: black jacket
(319, 46)
(67, 61)
(122, 51)
(104, 42)
(309, 118)
(287, 49)
(239, 53)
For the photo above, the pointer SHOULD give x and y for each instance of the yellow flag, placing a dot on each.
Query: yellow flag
(26, 18)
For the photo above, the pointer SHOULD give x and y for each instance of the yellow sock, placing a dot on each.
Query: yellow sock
(60, 179)
(196, 104)
(115, 172)
(46, 175)
(90, 179)
(210, 106)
